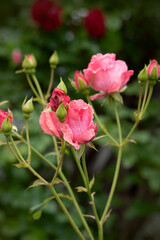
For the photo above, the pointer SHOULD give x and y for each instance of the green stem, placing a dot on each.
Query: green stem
(148, 100)
(100, 227)
(60, 162)
(140, 100)
(67, 213)
(65, 182)
(31, 86)
(143, 110)
(39, 89)
(145, 96)
(50, 84)
(115, 178)
(56, 148)
(51, 188)
(78, 165)
(28, 142)
(25, 163)
(100, 124)
(12, 151)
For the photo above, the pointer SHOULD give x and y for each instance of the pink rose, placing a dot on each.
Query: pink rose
(50, 123)
(106, 74)
(153, 64)
(78, 126)
(17, 56)
(3, 116)
(80, 81)
(58, 96)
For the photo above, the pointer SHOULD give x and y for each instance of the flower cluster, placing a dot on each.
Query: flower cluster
(47, 14)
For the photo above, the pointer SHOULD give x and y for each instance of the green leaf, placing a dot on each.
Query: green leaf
(36, 183)
(92, 182)
(3, 102)
(19, 165)
(91, 145)
(80, 151)
(117, 96)
(37, 215)
(81, 189)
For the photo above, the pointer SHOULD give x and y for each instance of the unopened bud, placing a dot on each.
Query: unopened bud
(54, 60)
(29, 64)
(62, 86)
(80, 81)
(6, 126)
(61, 113)
(27, 108)
(153, 72)
(143, 76)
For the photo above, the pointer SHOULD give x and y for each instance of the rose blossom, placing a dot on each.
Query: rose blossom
(78, 126)
(47, 14)
(95, 23)
(106, 74)
(17, 56)
(3, 116)
(58, 96)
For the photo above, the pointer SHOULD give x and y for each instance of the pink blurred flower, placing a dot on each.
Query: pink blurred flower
(3, 116)
(106, 74)
(16, 56)
(80, 80)
(153, 64)
(58, 96)
(47, 14)
(95, 23)
(78, 126)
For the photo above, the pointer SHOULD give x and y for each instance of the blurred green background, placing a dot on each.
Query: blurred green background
(132, 32)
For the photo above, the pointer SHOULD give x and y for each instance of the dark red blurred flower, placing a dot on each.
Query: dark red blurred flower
(47, 14)
(95, 23)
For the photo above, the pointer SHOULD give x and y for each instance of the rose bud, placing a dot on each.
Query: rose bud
(80, 81)
(54, 60)
(29, 64)
(58, 97)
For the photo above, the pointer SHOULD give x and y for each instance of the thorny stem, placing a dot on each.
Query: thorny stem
(50, 187)
(28, 142)
(50, 84)
(145, 96)
(60, 162)
(31, 86)
(39, 89)
(115, 178)
(100, 124)
(65, 182)
(56, 148)
(99, 225)
(67, 213)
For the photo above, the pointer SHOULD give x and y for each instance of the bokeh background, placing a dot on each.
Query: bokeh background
(131, 30)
